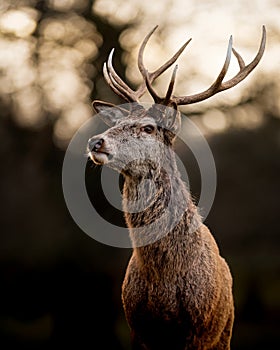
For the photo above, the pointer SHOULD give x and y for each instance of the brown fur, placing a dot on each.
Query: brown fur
(177, 291)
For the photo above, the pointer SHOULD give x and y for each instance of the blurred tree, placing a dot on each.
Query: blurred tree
(60, 287)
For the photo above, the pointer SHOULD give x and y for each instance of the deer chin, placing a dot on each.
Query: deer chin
(100, 158)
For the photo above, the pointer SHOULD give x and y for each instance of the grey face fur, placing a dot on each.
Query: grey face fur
(138, 141)
(139, 146)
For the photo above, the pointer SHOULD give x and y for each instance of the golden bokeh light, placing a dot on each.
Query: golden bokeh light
(16, 65)
(70, 121)
(28, 107)
(68, 5)
(21, 22)
(214, 120)
(246, 117)
(48, 73)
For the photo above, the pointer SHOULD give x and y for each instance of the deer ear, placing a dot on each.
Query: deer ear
(109, 113)
(172, 120)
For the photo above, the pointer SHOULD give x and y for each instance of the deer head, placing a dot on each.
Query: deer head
(161, 122)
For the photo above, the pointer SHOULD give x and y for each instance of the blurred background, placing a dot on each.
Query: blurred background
(60, 287)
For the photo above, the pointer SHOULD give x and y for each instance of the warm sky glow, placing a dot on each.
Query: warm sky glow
(60, 79)
(205, 55)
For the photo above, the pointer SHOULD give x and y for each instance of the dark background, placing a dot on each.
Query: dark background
(60, 287)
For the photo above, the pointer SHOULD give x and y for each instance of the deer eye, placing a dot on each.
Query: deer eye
(148, 129)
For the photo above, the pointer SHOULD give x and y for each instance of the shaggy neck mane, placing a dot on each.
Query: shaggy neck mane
(159, 212)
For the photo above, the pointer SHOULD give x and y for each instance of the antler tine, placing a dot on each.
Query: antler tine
(214, 88)
(224, 70)
(123, 90)
(171, 85)
(239, 59)
(156, 98)
(153, 75)
(119, 84)
(246, 70)
(219, 85)
(113, 85)
(169, 63)
(149, 87)
(141, 52)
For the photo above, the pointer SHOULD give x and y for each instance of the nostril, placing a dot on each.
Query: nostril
(95, 145)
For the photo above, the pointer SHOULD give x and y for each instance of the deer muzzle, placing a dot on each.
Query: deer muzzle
(98, 151)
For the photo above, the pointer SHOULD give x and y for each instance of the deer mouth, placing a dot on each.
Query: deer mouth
(100, 157)
(97, 151)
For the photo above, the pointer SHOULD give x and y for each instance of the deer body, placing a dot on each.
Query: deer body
(177, 291)
(189, 310)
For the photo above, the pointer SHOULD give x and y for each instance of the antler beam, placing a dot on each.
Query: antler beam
(124, 91)
(219, 85)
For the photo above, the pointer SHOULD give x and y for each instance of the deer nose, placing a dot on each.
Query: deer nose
(95, 144)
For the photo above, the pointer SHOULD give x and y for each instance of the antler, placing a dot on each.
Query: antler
(124, 91)
(121, 88)
(219, 85)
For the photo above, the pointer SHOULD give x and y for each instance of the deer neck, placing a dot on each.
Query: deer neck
(154, 204)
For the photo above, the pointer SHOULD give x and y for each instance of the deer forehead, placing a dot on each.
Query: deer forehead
(134, 122)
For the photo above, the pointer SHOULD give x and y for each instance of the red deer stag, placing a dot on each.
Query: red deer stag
(177, 291)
